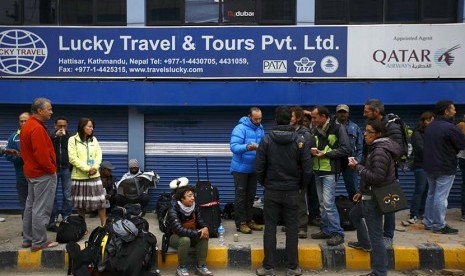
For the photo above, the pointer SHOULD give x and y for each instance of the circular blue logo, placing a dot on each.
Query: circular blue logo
(21, 52)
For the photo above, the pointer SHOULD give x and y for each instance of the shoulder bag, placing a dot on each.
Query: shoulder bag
(390, 198)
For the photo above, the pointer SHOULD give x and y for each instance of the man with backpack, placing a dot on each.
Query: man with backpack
(332, 143)
(374, 110)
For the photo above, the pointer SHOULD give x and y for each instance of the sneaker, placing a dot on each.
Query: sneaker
(244, 229)
(302, 234)
(264, 272)
(294, 272)
(387, 242)
(182, 271)
(357, 245)
(2, 219)
(336, 239)
(203, 271)
(412, 220)
(254, 226)
(446, 230)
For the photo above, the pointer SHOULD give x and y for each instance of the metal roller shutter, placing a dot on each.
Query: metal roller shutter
(175, 137)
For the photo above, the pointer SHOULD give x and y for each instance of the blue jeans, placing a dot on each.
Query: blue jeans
(462, 169)
(350, 181)
(436, 202)
(370, 233)
(326, 189)
(417, 206)
(63, 177)
(277, 204)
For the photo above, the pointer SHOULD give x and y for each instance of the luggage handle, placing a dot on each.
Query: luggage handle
(206, 167)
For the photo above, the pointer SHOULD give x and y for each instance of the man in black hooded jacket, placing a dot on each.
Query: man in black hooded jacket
(283, 159)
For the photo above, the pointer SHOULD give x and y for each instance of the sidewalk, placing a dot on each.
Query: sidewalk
(414, 248)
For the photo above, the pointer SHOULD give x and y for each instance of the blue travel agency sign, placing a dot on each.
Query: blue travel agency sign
(174, 52)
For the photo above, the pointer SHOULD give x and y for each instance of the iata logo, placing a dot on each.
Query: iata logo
(275, 66)
(304, 65)
(21, 52)
(444, 57)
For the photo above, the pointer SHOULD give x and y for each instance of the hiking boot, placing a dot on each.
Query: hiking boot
(302, 234)
(294, 272)
(357, 245)
(203, 271)
(182, 271)
(446, 230)
(320, 236)
(264, 272)
(244, 229)
(254, 226)
(336, 239)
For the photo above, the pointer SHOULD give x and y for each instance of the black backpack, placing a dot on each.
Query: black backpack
(406, 133)
(93, 259)
(162, 207)
(344, 205)
(71, 230)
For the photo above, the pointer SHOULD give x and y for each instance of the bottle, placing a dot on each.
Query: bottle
(221, 241)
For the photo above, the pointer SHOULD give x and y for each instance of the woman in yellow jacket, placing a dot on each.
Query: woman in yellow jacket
(85, 155)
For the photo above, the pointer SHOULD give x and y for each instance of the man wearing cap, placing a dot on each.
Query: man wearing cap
(134, 171)
(108, 181)
(356, 144)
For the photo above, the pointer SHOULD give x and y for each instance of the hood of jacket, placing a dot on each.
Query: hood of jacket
(283, 134)
(389, 145)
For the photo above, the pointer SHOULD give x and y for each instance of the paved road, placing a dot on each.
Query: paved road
(231, 272)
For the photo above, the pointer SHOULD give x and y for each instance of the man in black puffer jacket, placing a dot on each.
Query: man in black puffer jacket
(282, 160)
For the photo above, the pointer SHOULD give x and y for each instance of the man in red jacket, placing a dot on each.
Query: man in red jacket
(40, 171)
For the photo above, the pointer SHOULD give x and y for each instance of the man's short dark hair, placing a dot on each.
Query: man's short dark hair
(253, 109)
(441, 107)
(283, 115)
(375, 105)
(63, 118)
(322, 110)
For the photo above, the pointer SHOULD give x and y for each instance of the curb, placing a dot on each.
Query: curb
(312, 257)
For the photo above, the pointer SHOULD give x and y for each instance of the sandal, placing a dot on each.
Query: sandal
(46, 245)
(26, 245)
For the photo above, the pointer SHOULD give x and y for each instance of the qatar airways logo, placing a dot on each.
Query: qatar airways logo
(240, 13)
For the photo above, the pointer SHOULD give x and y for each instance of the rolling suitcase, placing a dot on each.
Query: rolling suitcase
(208, 200)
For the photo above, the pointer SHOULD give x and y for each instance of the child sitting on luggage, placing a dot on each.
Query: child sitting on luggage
(188, 230)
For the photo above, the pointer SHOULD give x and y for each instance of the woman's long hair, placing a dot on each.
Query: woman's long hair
(80, 129)
(421, 125)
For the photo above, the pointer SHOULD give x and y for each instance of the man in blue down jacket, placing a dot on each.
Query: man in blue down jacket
(283, 163)
(443, 140)
(245, 138)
